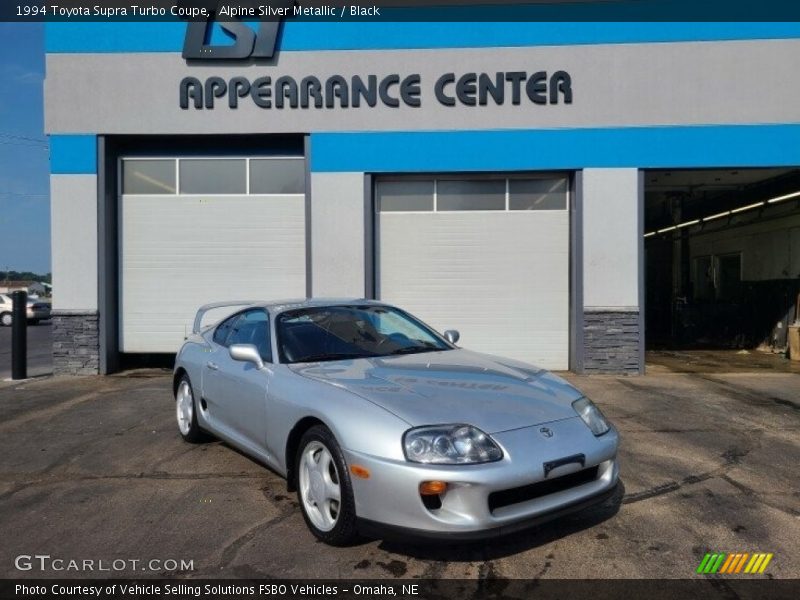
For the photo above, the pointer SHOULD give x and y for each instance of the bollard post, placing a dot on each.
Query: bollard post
(19, 336)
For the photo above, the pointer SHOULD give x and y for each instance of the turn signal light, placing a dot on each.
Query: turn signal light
(432, 488)
(359, 471)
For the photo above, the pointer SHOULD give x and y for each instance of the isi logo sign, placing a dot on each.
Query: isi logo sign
(247, 42)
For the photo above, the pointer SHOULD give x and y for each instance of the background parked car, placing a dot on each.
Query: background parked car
(36, 310)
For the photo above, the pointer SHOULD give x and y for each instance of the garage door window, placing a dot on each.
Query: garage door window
(495, 194)
(213, 176)
(277, 176)
(537, 194)
(405, 196)
(243, 176)
(463, 194)
(148, 177)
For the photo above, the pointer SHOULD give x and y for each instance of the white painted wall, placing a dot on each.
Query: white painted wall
(73, 214)
(337, 234)
(770, 249)
(611, 239)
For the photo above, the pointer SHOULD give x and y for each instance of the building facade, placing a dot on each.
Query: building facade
(486, 177)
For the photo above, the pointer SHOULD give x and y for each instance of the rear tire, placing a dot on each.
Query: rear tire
(6, 319)
(324, 489)
(186, 413)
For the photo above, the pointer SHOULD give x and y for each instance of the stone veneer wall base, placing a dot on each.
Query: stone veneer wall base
(611, 342)
(76, 342)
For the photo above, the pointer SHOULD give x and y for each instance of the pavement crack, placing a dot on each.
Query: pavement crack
(232, 550)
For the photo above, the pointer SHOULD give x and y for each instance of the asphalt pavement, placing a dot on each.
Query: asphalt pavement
(40, 350)
(94, 468)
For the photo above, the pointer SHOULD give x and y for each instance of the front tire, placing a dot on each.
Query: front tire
(186, 412)
(6, 319)
(324, 488)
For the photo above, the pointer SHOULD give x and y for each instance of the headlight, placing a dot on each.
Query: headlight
(450, 445)
(591, 415)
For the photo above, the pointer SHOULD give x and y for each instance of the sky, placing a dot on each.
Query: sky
(24, 154)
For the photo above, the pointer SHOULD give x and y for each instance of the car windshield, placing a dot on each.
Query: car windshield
(346, 332)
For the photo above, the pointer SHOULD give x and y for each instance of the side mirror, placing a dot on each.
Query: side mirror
(452, 336)
(246, 353)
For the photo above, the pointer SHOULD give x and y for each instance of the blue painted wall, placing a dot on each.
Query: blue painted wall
(73, 154)
(520, 150)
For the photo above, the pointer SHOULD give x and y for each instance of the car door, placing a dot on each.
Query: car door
(240, 388)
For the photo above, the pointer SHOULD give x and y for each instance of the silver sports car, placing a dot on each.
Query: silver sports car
(382, 424)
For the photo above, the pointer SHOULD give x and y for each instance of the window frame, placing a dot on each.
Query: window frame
(241, 315)
(177, 164)
(437, 177)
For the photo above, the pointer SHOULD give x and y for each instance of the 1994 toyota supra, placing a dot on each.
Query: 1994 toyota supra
(379, 422)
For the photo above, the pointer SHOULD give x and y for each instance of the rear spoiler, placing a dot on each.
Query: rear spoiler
(198, 319)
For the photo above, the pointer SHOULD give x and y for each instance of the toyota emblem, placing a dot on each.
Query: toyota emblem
(546, 432)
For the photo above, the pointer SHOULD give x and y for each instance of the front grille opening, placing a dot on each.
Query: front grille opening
(432, 502)
(541, 488)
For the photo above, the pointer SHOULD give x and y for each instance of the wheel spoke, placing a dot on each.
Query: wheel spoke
(332, 491)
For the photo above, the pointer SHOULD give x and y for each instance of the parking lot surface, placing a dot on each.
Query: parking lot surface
(94, 469)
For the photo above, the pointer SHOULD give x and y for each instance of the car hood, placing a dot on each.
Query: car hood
(454, 386)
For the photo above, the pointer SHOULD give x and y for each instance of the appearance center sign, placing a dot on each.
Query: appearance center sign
(394, 90)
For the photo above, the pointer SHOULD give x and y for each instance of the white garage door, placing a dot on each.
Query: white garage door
(194, 231)
(489, 257)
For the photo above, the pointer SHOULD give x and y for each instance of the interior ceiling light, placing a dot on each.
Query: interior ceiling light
(782, 198)
(726, 213)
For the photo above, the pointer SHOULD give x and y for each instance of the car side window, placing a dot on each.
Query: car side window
(223, 330)
(252, 327)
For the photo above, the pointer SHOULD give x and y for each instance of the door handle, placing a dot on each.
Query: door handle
(212, 365)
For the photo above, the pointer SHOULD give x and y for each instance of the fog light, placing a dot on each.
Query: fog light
(432, 488)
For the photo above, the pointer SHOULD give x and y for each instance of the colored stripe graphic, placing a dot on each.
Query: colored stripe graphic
(734, 562)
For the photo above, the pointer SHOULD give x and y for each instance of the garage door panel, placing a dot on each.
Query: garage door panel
(500, 278)
(178, 252)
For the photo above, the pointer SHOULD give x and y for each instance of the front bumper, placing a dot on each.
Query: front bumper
(373, 529)
(38, 314)
(390, 497)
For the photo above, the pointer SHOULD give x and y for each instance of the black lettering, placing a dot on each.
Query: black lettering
(537, 87)
(336, 87)
(465, 89)
(285, 87)
(260, 92)
(561, 82)
(191, 89)
(516, 78)
(410, 90)
(310, 86)
(487, 87)
(439, 90)
(383, 90)
(239, 88)
(369, 91)
(215, 88)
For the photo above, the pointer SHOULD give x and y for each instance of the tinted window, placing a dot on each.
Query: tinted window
(148, 177)
(223, 329)
(409, 195)
(277, 176)
(213, 176)
(252, 327)
(537, 194)
(471, 195)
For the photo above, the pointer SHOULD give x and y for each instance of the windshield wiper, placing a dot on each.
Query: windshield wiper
(328, 356)
(414, 350)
